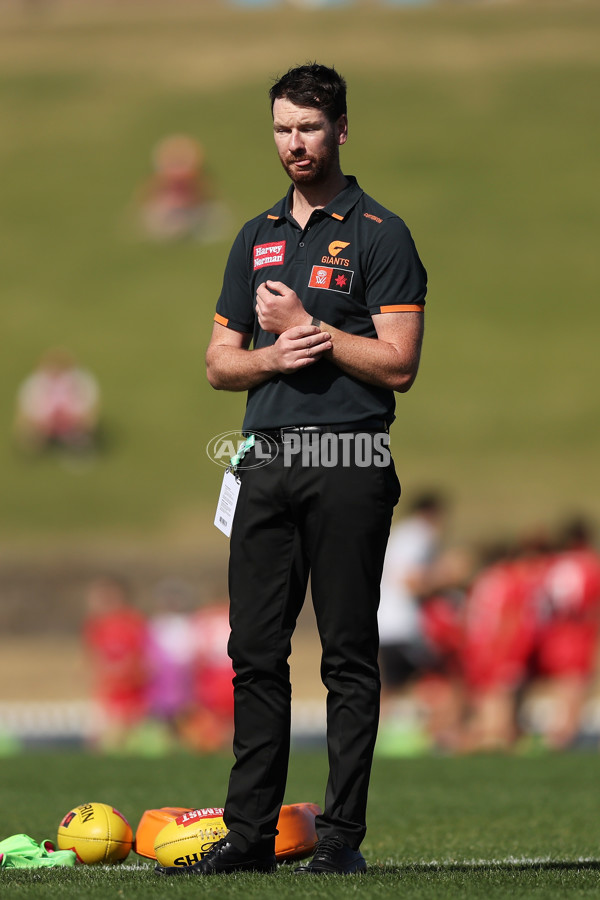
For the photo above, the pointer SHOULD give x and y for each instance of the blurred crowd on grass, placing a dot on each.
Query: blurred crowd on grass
(473, 639)
(160, 679)
(178, 199)
(58, 408)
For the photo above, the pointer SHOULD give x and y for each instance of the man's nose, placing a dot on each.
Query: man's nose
(296, 141)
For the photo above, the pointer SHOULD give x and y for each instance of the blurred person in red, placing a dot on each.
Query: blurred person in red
(439, 689)
(170, 654)
(211, 726)
(58, 406)
(501, 627)
(115, 636)
(178, 202)
(567, 647)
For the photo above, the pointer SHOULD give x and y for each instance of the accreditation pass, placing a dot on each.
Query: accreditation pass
(228, 498)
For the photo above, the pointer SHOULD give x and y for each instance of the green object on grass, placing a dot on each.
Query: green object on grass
(22, 852)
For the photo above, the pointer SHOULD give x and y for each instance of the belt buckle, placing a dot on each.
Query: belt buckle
(299, 429)
(286, 429)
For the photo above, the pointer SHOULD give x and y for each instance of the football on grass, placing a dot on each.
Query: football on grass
(189, 837)
(97, 832)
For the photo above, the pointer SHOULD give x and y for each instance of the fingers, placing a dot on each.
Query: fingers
(309, 349)
(314, 340)
(302, 346)
(303, 331)
(272, 289)
(275, 286)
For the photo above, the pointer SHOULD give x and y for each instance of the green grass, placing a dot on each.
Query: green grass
(438, 828)
(477, 124)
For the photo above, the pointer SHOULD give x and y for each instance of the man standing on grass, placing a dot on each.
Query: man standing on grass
(321, 320)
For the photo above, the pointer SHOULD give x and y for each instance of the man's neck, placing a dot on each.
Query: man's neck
(305, 199)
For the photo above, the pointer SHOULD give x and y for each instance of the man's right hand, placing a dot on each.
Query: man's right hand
(299, 347)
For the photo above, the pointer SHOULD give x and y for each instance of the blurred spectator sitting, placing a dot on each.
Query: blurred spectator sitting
(410, 573)
(58, 406)
(170, 654)
(211, 726)
(439, 689)
(566, 655)
(115, 638)
(501, 630)
(177, 202)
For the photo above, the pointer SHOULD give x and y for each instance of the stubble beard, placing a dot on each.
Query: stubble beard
(323, 166)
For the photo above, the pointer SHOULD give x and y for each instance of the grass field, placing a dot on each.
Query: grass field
(438, 828)
(476, 123)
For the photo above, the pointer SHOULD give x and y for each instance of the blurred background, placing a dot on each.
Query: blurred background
(136, 140)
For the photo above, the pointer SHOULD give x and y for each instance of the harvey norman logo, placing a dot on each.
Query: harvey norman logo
(268, 255)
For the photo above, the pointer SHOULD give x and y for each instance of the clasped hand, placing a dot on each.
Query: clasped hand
(280, 311)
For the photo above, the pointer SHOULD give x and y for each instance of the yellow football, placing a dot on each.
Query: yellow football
(97, 832)
(189, 837)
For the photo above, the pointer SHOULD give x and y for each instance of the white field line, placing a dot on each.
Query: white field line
(433, 864)
(515, 861)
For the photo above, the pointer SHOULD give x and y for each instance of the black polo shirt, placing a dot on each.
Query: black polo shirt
(353, 259)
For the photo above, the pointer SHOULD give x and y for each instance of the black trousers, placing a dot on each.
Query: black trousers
(292, 520)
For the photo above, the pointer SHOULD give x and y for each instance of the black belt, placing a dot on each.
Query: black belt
(278, 434)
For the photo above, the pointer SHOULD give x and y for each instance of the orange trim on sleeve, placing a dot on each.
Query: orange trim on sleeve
(221, 320)
(407, 307)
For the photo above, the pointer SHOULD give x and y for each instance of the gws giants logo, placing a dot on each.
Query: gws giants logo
(334, 259)
(336, 247)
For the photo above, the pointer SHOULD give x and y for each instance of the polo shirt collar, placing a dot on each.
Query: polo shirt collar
(339, 207)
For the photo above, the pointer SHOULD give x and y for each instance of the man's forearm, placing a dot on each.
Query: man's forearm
(237, 369)
(232, 366)
(374, 360)
(389, 361)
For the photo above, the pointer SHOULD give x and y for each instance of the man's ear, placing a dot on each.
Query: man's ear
(342, 128)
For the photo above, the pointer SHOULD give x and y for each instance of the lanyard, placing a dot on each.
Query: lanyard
(241, 452)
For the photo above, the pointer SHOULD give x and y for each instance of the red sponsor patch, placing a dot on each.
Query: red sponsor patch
(329, 278)
(196, 815)
(268, 255)
(68, 819)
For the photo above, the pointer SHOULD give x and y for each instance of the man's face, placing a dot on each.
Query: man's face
(307, 142)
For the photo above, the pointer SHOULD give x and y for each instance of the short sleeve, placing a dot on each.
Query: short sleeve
(235, 306)
(396, 280)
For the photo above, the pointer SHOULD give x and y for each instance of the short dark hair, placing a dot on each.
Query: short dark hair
(429, 501)
(577, 531)
(312, 85)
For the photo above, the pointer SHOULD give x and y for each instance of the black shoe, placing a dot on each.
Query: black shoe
(224, 857)
(334, 857)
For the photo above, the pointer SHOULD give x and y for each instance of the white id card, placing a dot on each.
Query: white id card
(227, 502)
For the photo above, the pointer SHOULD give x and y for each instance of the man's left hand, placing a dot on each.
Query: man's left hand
(279, 307)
